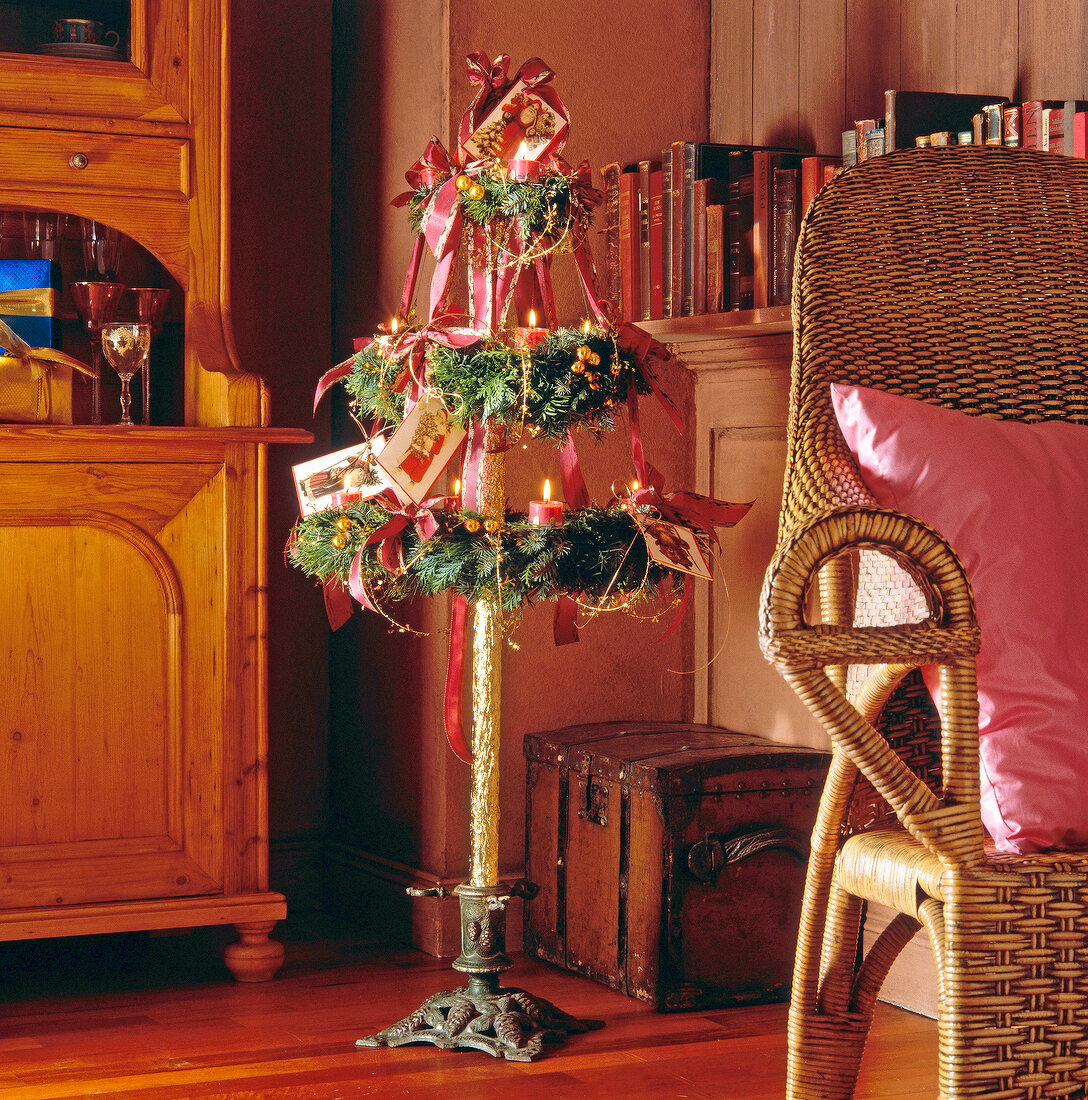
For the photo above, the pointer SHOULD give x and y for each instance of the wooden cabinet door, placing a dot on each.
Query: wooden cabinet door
(118, 680)
(148, 81)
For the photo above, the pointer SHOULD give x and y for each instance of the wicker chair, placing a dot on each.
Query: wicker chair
(912, 269)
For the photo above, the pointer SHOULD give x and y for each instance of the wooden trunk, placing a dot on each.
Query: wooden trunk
(670, 859)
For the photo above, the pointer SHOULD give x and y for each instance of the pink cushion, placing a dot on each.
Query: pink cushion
(1012, 500)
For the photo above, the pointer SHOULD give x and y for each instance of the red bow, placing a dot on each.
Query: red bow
(691, 510)
(432, 167)
(388, 537)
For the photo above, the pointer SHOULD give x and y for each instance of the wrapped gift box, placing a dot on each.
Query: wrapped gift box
(36, 390)
(30, 300)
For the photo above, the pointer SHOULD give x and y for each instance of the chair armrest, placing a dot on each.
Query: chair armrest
(950, 633)
(948, 638)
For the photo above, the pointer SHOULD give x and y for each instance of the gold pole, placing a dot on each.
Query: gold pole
(487, 685)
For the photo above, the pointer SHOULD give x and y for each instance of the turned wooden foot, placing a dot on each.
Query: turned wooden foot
(254, 958)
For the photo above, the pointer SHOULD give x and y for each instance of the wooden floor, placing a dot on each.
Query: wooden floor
(158, 1016)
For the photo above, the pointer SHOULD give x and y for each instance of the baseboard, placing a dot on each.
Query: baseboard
(372, 890)
(912, 981)
(295, 870)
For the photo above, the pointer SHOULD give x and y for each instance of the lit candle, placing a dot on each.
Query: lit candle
(531, 335)
(546, 512)
(522, 167)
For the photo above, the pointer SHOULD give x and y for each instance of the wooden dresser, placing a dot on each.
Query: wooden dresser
(132, 614)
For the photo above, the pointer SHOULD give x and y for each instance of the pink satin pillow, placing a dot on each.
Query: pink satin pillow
(1012, 500)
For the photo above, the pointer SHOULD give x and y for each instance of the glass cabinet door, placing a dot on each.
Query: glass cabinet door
(124, 59)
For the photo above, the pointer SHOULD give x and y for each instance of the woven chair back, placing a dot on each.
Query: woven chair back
(957, 276)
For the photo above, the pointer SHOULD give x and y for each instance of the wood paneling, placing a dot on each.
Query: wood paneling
(821, 78)
(731, 50)
(1052, 49)
(927, 45)
(775, 46)
(801, 71)
(986, 62)
(872, 56)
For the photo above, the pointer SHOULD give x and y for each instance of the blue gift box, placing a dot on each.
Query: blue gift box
(30, 300)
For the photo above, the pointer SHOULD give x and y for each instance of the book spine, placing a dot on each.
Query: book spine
(861, 129)
(1053, 139)
(849, 148)
(688, 274)
(1010, 126)
(874, 143)
(698, 245)
(784, 236)
(992, 116)
(1080, 134)
(740, 249)
(657, 220)
(715, 258)
(666, 233)
(676, 153)
(629, 246)
(1032, 123)
(644, 169)
(610, 186)
(889, 121)
(763, 166)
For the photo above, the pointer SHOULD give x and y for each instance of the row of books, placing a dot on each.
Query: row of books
(707, 228)
(950, 118)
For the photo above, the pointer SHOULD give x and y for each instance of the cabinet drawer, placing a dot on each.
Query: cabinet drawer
(68, 160)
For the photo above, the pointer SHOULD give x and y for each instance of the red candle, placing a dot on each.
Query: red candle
(531, 335)
(524, 170)
(546, 512)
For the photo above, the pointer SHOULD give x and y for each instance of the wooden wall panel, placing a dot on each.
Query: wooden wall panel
(987, 62)
(1052, 49)
(821, 77)
(775, 46)
(731, 33)
(872, 55)
(927, 59)
(814, 66)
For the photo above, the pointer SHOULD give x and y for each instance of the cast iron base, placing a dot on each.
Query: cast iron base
(504, 1022)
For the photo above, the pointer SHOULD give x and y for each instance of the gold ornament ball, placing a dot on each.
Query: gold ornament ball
(339, 542)
(343, 523)
(462, 183)
(578, 366)
(491, 525)
(584, 352)
(593, 359)
(472, 525)
(476, 191)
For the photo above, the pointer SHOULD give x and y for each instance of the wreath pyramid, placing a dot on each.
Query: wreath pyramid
(450, 392)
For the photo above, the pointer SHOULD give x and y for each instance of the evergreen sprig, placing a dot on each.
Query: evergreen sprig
(596, 554)
(541, 387)
(545, 207)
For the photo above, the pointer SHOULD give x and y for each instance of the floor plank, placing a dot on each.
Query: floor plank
(158, 1017)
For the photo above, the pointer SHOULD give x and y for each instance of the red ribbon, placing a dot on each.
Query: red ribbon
(692, 510)
(388, 537)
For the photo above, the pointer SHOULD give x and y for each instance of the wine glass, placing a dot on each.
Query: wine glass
(42, 234)
(150, 310)
(96, 303)
(126, 347)
(101, 250)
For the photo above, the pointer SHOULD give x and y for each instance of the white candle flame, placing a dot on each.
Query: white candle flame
(547, 489)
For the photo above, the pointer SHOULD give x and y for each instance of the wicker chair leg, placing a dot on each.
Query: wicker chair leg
(826, 1040)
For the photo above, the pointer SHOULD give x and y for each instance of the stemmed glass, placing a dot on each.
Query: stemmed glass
(96, 303)
(101, 250)
(126, 347)
(150, 310)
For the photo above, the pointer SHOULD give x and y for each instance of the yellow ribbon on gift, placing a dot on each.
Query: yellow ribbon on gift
(28, 302)
(36, 360)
